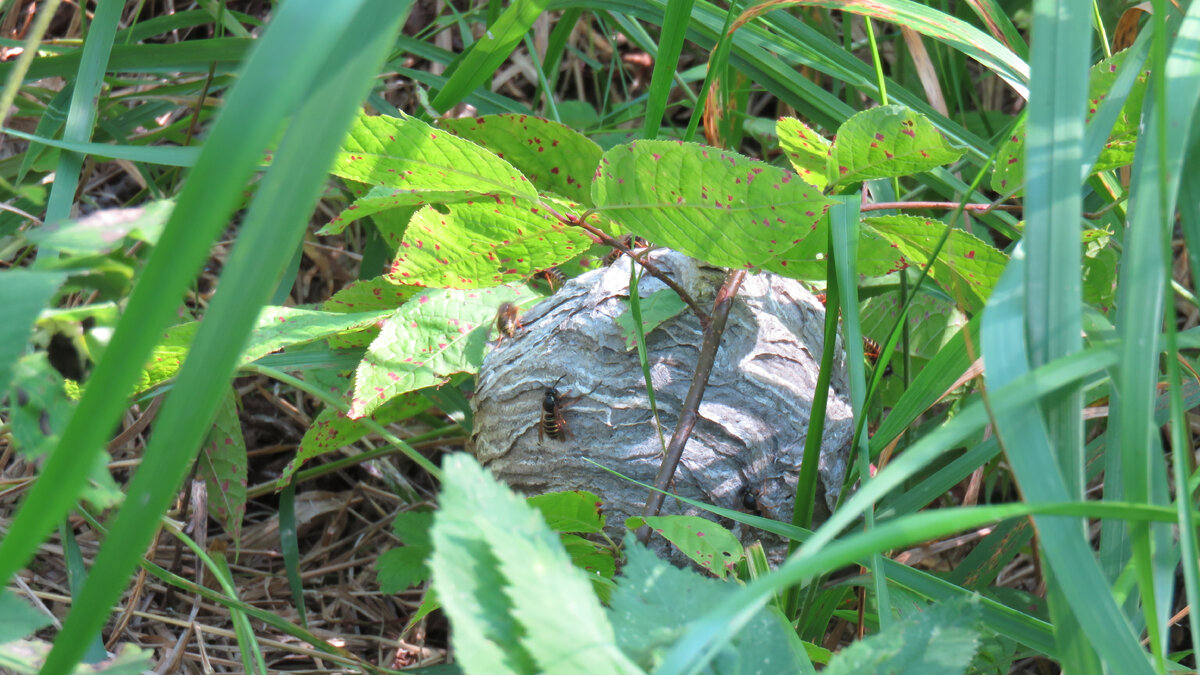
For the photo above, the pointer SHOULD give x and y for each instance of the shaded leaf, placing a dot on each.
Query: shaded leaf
(277, 327)
(574, 511)
(660, 307)
(712, 547)
(223, 466)
(943, 639)
(655, 602)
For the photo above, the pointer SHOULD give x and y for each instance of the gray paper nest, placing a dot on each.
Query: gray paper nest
(753, 419)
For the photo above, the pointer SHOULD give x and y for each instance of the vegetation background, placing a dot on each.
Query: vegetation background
(1025, 468)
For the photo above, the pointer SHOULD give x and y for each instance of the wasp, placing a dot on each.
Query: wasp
(628, 241)
(554, 277)
(553, 424)
(508, 321)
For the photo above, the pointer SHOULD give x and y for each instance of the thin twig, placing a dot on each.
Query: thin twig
(691, 404)
(652, 269)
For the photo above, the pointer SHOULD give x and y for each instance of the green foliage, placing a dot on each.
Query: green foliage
(941, 639)
(469, 211)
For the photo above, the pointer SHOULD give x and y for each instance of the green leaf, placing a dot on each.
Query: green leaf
(26, 657)
(483, 244)
(887, 142)
(1118, 151)
(660, 307)
(575, 511)
(807, 150)
(38, 414)
(943, 639)
(431, 337)
(418, 164)
(402, 568)
(223, 466)
(333, 430)
(277, 327)
(655, 602)
(555, 157)
(967, 267)
(507, 584)
(103, 231)
(23, 294)
(712, 547)
(714, 205)
(18, 619)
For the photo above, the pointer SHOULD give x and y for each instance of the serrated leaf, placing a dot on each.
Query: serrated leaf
(967, 267)
(277, 327)
(660, 307)
(364, 296)
(483, 244)
(807, 150)
(655, 602)
(712, 546)
(18, 619)
(434, 335)
(403, 567)
(714, 205)
(943, 639)
(506, 583)
(886, 142)
(103, 231)
(1122, 141)
(223, 466)
(333, 430)
(418, 164)
(574, 511)
(932, 321)
(556, 158)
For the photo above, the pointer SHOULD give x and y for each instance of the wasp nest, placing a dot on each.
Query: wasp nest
(747, 446)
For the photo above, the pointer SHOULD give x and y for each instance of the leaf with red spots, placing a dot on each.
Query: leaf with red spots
(277, 327)
(365, 296)
(1118, 151)
(887, 142)
(332, 430)
(807, 150)
(412, 163)
(966, 267)
(555, 157)
(711, 204)
(222, 465)
(434, 335)
(483, 244)
(712, 547)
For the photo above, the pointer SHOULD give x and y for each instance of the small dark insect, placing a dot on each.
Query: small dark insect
(749, 500)
(508, 321)
(554, 277)
(553, 424)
